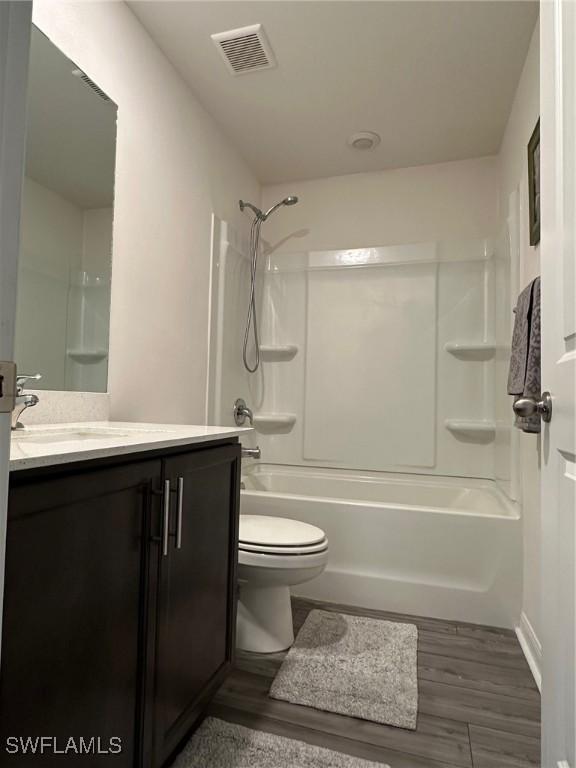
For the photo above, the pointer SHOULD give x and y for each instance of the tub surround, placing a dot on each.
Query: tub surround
(82, 441)
(326, 316)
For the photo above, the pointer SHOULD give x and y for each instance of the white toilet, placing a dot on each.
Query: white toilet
(274, 554)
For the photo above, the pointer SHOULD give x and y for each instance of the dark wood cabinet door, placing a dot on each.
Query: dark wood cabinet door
(196, 611)
(73, 639)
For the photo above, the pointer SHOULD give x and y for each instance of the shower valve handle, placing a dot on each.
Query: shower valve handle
(241, 412)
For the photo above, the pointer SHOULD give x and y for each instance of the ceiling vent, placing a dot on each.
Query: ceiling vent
(90, 83)
(245, 50)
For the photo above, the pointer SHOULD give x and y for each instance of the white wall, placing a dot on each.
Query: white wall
(173, 169)
(408, 205)
(514, 177)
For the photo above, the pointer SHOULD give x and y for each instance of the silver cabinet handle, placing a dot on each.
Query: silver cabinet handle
(180, 507)
(166, 518)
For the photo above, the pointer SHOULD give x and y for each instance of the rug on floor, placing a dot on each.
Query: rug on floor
(354, 666)
(219, 744)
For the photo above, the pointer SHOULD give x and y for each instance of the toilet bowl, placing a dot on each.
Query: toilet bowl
(274, 555)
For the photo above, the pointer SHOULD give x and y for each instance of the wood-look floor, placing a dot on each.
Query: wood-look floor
(478, 704)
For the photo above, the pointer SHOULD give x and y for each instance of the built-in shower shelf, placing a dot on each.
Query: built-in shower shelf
(274, 423)
(87, 356)
(471, 426)
(278, 353)
(472, 349)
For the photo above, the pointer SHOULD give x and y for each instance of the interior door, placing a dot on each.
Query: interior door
(15, 24)
(558, 257)
(196, 598)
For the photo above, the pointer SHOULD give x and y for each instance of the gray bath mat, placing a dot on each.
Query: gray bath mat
(218, 744)
(353, 666)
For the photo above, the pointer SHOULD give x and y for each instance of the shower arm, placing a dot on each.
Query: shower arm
(257, 212)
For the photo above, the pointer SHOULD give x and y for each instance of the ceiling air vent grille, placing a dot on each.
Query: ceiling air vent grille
(245, 50)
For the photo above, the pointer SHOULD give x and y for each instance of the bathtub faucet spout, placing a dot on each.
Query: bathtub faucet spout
(251, 453)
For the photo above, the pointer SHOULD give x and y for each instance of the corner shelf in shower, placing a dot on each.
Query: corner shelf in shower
(87, 356)
(471, 349)
(278, 353)
(274, 423)
(481, 427)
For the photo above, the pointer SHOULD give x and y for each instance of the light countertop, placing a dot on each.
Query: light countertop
(51, 444)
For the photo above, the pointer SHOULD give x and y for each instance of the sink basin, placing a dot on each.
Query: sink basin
(55, 435)
(66, 437)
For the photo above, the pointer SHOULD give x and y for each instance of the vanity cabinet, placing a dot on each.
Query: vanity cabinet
(119, 605)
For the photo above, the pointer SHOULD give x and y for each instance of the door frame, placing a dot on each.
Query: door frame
(15, 27)
(558, 483)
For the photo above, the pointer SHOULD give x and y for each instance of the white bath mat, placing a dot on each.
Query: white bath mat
(218, 744)
(353, 666)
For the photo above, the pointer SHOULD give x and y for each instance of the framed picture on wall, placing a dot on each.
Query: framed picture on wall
(534, 185)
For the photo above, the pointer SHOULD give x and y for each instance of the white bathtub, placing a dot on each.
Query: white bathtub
(417, 544)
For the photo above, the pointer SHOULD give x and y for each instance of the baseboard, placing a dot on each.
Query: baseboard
(531, 647)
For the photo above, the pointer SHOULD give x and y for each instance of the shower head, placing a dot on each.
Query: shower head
(290, 200)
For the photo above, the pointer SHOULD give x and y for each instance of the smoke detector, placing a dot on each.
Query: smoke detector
(364, 140)
(245, 50)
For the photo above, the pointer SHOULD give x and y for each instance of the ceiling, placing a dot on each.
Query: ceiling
(71, 132)
(435, 79)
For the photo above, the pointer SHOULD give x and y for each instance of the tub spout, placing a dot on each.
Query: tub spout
(251, 453)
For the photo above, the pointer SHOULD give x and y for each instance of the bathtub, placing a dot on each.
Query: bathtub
(434, 546)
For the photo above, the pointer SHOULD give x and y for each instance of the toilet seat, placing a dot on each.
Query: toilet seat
(274, 562)
(287, 551)
(279, 535)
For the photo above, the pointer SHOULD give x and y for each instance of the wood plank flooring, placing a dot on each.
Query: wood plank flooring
(478, 704)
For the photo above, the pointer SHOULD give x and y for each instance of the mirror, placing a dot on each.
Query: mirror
(63, 311)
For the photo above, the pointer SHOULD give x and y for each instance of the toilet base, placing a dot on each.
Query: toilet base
(264, 622)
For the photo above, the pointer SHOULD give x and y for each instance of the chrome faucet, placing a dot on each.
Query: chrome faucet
(242, 412)
(23, 399)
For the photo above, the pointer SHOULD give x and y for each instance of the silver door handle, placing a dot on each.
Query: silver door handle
(528, 406)
(166, 518)
(180, 507)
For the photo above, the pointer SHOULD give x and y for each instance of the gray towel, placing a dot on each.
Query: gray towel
(524, 375)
